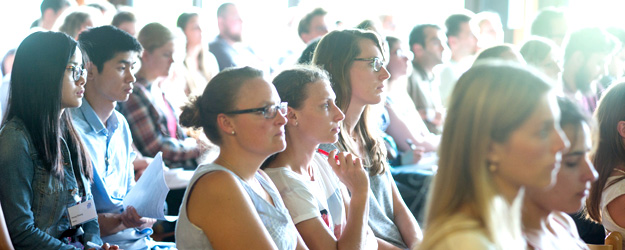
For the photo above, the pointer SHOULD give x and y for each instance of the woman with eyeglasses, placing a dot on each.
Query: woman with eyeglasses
(231, 203)
(46, 178)
(309, 182)
(354, 61)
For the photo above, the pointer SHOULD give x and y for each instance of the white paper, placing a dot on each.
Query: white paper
(148, 195)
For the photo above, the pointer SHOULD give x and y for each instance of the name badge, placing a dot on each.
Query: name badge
(81, 213)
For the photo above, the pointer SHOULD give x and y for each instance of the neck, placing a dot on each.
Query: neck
(352, 116)
(227, 39)
(568, 79)
(46, 24)
(193, 50)
(245, 166)
(102, 107)
(298, 154)
(509, 191)
(427, 68)
(534, 216)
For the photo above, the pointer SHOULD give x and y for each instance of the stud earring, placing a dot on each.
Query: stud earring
(232, 132)
(296, 123)
(492, 167)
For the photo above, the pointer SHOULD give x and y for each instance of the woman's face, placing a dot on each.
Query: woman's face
(398, 61)
(367, 84)
(574, 177)
(160, 59)
(531, 155)
(318, 118)
(253, 131)
(72, 91)
(193, 31)
(551, 66)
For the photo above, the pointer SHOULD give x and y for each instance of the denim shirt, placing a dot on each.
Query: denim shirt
(35, 201)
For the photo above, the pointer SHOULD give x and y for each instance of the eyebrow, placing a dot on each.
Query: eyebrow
(126, 62)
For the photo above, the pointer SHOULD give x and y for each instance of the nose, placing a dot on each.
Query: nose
(280, 119)
(82, 79)
(589, 173)
(384, 73)
(129, 77)
(339, 114)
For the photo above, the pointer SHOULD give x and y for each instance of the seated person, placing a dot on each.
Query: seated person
(546, 224)
(46, 170)
(113, 53)
(151, 117)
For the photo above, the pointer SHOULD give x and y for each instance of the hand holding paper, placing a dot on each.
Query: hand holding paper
(148, 195)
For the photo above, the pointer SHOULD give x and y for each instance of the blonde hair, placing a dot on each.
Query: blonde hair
(153, 36)
(489, 102)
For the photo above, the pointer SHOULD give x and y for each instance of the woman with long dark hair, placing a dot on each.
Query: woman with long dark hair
(47, 173)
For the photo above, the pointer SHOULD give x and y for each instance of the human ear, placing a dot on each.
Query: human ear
(225, 124)
(495, 150)
(92, 69)
(620, 127)
(291, 115)
(417, 50)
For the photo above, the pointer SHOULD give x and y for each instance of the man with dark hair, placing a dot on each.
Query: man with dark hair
(463, 45)
(313, 25)
(227, 46)
(550, 23)
(110, 79)
(585, 61)
(426, 44)
(50, 11)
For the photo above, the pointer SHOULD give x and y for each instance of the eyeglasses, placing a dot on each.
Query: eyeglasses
(269, 112)
(375, 62)
(77, 72)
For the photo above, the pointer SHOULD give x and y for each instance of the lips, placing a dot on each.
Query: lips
(80, 93)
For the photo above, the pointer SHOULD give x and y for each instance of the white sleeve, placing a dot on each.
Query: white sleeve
(297, 197)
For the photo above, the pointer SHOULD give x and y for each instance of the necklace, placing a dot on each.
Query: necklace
(619, 170)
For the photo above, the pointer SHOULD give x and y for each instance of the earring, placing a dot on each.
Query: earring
(296, 123)
(492, 167)
(232, 132)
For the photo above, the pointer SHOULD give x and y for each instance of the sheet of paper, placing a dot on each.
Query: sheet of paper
(148, 195)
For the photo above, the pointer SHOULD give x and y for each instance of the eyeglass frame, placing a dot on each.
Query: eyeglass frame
(373, 60)
(76, 74)
(283, 106)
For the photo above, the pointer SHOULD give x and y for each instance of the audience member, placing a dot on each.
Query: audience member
(152, 120)
(250, 214)
(616, 66)
(323, 211)
(79, 20)
(410, 135)
(490, 29)
(309, 51)
(544, 55)
(463, 45)
(112, 53)
(546, 224)
(227, 46)
(313, 25)
(426, 45)
(7, 62)
(200, 64)
(501, 134)
(51, 10)
(6, 66)
(550, 23)
(405, 122)
(46, 169)
(606, 199)
(585, 62)
(354, 60)
(125, 20)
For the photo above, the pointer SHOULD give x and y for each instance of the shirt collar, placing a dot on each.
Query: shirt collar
(94, 121)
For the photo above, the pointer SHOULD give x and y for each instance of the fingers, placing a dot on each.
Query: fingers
(131, 218)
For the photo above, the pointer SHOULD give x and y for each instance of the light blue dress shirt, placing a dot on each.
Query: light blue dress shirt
(110, 148)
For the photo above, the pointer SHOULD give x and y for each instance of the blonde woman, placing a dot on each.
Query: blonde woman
(501, 134)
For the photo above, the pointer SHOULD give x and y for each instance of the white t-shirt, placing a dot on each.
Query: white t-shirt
(307, 199)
